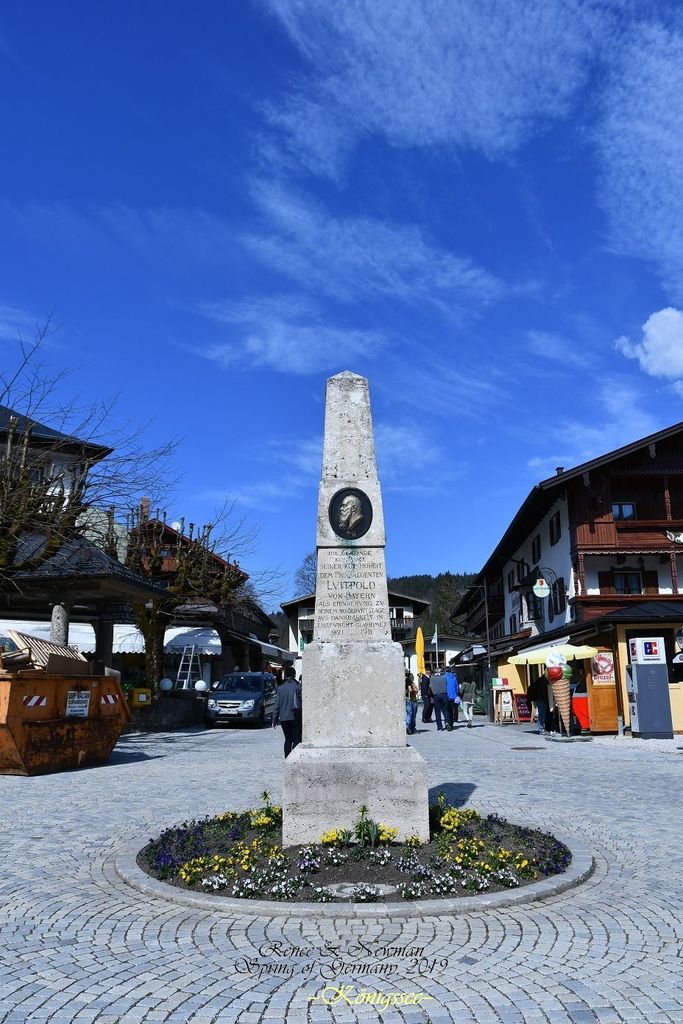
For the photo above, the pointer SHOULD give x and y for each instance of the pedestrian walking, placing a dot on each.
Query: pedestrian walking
(438, 685)
(453, 691)
(468, 693)
(537, 693)
(411, 703)
(427, 700)
(287, 710)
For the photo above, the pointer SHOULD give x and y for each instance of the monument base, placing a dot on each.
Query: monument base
(324, 788)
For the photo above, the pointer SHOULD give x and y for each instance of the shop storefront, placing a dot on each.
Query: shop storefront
(600, 682)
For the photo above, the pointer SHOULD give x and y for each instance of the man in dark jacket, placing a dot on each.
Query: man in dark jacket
(287, 710)
(538, 695)
(427, 703)
(438, 685)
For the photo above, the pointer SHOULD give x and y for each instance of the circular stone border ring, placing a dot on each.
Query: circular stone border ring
(581, 868)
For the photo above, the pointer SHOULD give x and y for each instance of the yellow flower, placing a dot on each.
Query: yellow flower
(332, 837)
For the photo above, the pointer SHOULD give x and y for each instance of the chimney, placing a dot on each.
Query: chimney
(559, 470)
(144, 509)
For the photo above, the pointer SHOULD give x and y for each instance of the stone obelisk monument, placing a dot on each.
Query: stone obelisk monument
(354, 748)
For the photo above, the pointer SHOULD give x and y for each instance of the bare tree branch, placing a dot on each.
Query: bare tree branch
(305, 576)
(58, 483)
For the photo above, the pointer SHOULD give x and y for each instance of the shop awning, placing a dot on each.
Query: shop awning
(279, 653)
(207, 641)
(539, 653)
(544, 646)
(81, 634)
(270, 650)
(127, 639)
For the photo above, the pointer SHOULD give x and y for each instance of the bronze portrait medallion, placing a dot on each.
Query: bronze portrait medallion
(350, 513)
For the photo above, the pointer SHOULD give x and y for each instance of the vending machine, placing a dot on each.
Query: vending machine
(647, 687)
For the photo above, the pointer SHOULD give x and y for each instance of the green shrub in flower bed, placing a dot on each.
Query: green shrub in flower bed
(240, 854)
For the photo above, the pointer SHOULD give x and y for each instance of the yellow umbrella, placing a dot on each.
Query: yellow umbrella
(539, 655)
(420, 651)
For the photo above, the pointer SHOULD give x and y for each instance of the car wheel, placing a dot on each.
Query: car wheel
(209, 723)
(261, 720)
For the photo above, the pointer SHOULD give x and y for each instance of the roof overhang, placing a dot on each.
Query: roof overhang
(541, 498)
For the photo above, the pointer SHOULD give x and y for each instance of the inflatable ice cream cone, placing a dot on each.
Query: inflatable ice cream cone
(562, 695)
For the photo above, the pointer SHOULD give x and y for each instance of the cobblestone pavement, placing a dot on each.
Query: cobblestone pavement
(79, 945)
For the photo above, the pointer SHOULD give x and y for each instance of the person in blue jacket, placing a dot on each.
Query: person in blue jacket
(453, 693)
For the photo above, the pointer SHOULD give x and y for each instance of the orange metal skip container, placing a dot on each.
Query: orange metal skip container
(37, 736)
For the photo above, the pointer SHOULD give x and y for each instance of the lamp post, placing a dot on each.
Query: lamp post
(484, 587)
(488, 650)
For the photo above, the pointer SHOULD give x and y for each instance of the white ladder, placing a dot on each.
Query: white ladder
(190, 668)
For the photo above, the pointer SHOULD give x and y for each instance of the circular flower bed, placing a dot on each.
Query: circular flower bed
(239, 854)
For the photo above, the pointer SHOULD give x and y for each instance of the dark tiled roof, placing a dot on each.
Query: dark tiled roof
(661, 611)
(543, 495)
(415, 601)
(628, 449)
(76, 558)
(45, 435)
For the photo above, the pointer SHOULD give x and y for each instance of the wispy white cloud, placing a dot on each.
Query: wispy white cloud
(410, 461)
(171, 234)
(660, 352)
(258, 495)
(401, 444)
(173, 238)
(6, 51)
(640, 140)
(456, 386)
(15, 322)
(407, 458)
(617, 417)
(478, 75)
(352, 257)
(301, 456)
(557, 348)
(293, 463)
(286, 334)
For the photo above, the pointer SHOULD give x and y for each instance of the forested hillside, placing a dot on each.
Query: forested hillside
(442, 592)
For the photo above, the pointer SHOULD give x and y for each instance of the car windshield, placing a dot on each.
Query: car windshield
(240, 684)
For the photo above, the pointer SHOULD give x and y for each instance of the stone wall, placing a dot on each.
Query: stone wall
(174, 710)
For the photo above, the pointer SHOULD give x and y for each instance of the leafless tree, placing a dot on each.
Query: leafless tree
(305, 576)
(58, 483)
(196, 567)
(82, 477)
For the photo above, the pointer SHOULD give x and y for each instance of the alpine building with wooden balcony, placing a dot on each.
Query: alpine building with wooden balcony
(607, 538)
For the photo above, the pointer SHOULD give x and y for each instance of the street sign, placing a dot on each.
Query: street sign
(77, 703)
(541, 588)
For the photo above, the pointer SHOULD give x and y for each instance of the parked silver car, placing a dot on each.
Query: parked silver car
(241, 697)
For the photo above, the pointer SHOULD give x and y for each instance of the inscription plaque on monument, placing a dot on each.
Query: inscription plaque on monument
(351, 598)
(354, 738)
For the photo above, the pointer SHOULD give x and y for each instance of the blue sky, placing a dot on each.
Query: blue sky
(477, 204)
